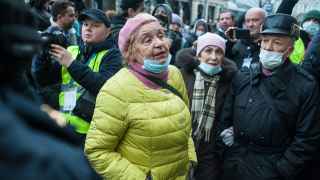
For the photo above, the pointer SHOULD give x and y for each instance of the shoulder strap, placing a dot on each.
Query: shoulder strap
(164, 85)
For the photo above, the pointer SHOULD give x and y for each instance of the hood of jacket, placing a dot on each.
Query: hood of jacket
(197, 22)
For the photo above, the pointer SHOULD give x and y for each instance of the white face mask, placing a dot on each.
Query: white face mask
(311, 27)
(270, 59)
(199, 33)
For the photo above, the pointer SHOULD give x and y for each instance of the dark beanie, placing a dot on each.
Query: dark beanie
(126, 4)
(312, 14)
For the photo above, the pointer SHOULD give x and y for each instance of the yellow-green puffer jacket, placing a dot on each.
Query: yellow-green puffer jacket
(137, 130)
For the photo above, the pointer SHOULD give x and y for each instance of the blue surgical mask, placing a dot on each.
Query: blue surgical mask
(210, 69)
(153, 66)
(270, 59)
(199, 33)
(311, 27)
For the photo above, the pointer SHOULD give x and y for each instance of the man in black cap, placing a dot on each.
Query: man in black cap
(78, 72)
(128, 9)
(270, 123)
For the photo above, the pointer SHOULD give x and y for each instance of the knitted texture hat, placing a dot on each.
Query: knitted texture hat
(131, 26)
(210, 39)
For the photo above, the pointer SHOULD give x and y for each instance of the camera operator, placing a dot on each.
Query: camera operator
(73, 79)
(63, 15)
(32, 145)
(246, 51)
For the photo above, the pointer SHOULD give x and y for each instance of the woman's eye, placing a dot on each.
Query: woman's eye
(147, 40)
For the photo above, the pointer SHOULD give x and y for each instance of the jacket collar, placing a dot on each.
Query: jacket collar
(280, 78)
(88, 50)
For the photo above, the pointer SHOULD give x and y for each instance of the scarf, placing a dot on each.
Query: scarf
(140, 73)
(203, 106)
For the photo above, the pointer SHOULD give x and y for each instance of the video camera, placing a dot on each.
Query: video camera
(52, 38)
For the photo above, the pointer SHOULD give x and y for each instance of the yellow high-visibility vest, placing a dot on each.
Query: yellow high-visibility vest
(81, 125)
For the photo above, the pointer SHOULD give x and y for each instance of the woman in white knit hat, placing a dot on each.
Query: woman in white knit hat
(207, 74)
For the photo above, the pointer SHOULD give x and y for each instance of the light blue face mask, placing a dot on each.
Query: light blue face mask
(153, 66)
(311, 27)
(270, 60)
(210, 69)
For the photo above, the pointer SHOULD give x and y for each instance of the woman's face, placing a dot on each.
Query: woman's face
(149, 42)
(212, 55)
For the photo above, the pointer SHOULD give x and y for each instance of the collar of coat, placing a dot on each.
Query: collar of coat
(280, 78)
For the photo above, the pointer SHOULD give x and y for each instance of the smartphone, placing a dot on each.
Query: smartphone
(239, 33)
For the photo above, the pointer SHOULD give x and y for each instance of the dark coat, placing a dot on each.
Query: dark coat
(117, 22)
(229, 44)
(276, 123)
(34, 147)
(48, 74)
(312, 65)
(209, 164)
(244, 49)
(311, 61)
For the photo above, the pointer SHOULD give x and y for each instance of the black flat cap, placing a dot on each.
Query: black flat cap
(280, 24)
(95, 15)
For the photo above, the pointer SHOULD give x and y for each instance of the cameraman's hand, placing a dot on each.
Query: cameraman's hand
(229, 33)
(61, 55)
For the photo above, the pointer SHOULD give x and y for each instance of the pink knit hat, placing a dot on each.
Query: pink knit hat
(210, 39)
(130, 27)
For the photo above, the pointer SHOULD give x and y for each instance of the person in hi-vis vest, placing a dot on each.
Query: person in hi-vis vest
(71, 81)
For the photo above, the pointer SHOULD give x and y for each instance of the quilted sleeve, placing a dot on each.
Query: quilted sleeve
(180, 85)
(106, 131)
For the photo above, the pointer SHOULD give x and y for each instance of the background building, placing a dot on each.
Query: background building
(190, 10)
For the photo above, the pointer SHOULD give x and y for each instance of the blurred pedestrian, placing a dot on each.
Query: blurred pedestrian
(41, 9)
(73, 77)
(225, 21)
(141, 127)
(128, 9)
(33, 145)
(246, 51)
(63, 16)
(199, 28)
(176, 36)
(311, 22)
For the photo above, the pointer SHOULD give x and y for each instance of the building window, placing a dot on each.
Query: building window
(200, 11)
(211, 13)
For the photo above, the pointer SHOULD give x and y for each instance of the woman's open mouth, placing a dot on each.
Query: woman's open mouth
(160, 55)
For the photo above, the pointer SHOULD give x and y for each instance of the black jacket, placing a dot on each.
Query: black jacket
(229, 44)
(244, 49)
(276, 123)
(48, 74)
(34, 147)
(312, 57)
(117, 22)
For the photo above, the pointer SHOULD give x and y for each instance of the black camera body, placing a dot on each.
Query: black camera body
(52, 38)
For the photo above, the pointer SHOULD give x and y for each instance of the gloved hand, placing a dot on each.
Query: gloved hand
(227, 136)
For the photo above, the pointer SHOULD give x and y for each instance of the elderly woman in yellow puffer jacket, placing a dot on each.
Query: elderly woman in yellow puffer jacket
(140, 129)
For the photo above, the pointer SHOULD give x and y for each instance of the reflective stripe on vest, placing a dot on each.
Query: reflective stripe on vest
(81, 125)
(297, 55)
